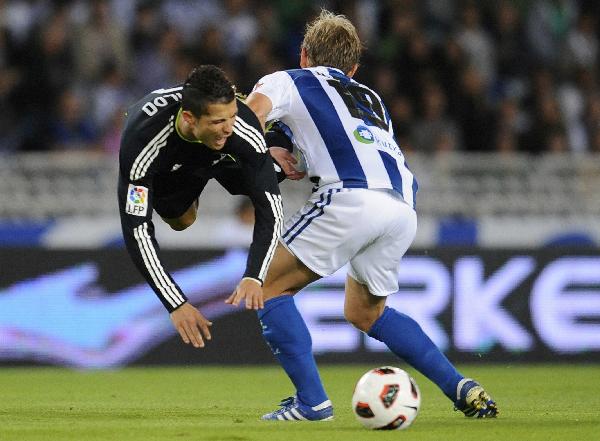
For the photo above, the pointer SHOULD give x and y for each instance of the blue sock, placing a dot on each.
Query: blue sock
(406, 339)
(287, 335)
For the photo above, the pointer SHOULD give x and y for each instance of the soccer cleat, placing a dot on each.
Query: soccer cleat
(292, 409)
(473, 400)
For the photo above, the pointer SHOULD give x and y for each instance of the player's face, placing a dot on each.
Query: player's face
(216, 125)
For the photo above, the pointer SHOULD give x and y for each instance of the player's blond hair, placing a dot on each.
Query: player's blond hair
(331, 40)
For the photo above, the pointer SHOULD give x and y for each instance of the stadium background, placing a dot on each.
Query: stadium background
(496, 104)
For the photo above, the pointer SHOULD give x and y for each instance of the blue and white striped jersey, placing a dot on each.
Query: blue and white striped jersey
(341, 127)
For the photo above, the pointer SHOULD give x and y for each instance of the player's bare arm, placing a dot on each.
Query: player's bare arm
(261, 105)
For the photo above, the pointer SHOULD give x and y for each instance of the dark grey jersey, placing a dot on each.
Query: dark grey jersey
(153, 157)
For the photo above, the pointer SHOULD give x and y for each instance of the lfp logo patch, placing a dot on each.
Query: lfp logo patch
(137, 200)
(364, 135)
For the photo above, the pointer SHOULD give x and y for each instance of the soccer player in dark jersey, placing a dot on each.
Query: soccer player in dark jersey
(174, 141)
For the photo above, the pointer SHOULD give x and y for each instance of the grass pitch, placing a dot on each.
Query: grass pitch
(542, 402)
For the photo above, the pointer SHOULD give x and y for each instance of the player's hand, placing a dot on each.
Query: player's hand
(250, 291)
(191, 325)
(287, 161)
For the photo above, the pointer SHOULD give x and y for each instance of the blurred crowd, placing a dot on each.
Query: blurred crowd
(485, 75)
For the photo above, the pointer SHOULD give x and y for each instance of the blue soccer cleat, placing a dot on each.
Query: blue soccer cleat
(473, 400)
(292, 409)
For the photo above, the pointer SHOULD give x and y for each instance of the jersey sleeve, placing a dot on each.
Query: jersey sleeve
(279, 135)
(135, 194)
(277, 87)
(258, 175)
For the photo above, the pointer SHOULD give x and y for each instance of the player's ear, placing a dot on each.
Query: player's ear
(303, 58)
(353, 70)
(188, 117)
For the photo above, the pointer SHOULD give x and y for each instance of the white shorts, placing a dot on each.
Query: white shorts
(370, 229)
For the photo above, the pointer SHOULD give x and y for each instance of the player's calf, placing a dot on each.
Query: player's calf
(361, 308)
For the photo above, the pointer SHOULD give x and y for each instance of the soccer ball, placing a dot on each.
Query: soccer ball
(386, 398)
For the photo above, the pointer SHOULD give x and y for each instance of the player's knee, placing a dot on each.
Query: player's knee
(183, 222)
(275, 287)
(359, 319)
(177, 226)
(270, 292)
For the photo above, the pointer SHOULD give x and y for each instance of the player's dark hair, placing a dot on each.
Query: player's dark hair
(206, 85)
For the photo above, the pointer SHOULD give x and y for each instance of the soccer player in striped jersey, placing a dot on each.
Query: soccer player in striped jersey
(362, 213)
(174, 141)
